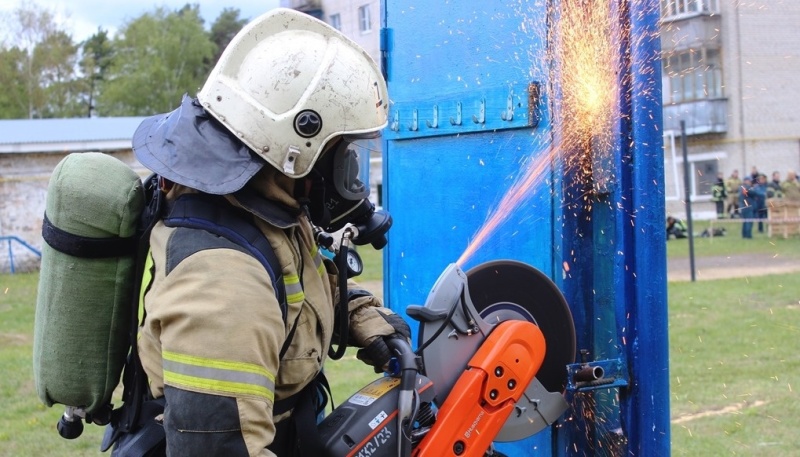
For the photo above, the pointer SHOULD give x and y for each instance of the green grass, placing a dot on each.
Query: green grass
(734, 366)
(27, 427)
(732, 243)
(373, 263)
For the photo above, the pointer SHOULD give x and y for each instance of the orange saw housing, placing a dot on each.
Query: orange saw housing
(484, 396)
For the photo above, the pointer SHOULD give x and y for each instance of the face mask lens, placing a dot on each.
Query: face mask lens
(346, 173)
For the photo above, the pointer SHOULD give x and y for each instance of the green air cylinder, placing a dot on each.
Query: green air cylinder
(83, 307)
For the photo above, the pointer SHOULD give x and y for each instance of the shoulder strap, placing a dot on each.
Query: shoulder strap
(215, 215)
(134, 381)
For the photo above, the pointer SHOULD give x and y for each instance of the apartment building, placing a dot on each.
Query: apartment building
(728, 72)
(358, 19)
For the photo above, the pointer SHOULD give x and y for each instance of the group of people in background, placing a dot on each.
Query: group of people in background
(747, 198)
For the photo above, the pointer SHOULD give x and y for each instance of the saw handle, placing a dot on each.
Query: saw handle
(425, 314)
(407, 361)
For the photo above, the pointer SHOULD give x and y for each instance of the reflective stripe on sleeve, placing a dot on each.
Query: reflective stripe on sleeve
(147, 278)
(320, 267)
(218, 376)
(294, 290)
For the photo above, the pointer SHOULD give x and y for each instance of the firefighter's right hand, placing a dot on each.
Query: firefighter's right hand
(377, 352)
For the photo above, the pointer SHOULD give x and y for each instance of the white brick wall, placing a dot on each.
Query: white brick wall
(23, 190)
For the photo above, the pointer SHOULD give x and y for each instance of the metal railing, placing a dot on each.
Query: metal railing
(10, 240)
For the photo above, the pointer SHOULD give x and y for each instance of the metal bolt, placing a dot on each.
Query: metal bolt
(512, 384)
(493, 394)
(498, 371)
(459, 447)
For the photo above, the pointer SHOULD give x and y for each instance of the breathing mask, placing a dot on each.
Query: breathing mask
(338, 196)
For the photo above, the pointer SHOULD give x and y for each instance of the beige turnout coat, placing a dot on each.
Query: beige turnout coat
(213, 328)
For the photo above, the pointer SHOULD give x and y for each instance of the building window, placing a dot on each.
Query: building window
(703, 168)
(692, 75)
(364, 21)
(336, 21)
(672, 8)
(704, 176)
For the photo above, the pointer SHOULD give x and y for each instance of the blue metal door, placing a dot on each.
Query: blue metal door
(472, 172)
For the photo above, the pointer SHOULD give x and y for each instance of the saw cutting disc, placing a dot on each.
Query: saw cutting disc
(509, 290)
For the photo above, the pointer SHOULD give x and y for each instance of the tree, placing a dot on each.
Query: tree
(224, 28)
(40, 67)
(95, 63)
(54, 60)
(157, 58)
(13, 100)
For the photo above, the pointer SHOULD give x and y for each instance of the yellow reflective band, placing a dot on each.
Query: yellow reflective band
(216, 386)
(323, 272)
(318, 263)
(147, 278)
(219, 376)
(294, 290)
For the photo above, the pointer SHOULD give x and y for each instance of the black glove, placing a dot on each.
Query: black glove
(377, 352)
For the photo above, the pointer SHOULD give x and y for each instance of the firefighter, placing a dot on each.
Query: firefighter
(675, 228)
(732, 185)
(272, 134)
(719, 195)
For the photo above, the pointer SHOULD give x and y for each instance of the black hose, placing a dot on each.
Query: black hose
(342, 314)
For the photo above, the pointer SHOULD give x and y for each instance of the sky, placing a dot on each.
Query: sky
(83, 17)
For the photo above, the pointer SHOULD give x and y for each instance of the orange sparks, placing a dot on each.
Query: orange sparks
(584, 55)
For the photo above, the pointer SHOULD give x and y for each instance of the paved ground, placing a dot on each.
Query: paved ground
(741, 266)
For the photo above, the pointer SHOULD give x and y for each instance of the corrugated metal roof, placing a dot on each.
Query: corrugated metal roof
(84, 129)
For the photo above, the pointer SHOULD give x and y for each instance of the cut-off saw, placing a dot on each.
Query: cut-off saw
(490, 366)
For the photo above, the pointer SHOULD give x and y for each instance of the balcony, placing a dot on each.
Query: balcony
(310, 7)
(694, 32)
(701, 116)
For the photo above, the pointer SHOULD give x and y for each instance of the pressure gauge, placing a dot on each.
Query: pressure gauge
(354, 264)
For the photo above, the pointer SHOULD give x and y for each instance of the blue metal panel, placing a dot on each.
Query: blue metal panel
(619, 304)
(440, 190)
(646, 404)
(442, 179)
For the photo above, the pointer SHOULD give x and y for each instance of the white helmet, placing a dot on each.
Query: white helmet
(288, 83)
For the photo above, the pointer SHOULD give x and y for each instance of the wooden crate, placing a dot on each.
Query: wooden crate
(783, 217)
